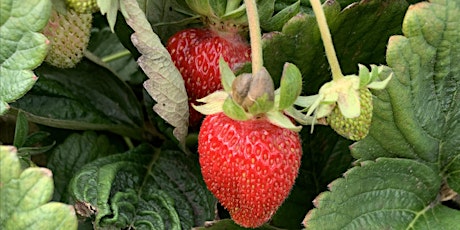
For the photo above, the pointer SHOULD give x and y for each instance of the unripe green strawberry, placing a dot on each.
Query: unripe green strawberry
(250, 166)
(354, 128)
(69, 36)
(83, 6)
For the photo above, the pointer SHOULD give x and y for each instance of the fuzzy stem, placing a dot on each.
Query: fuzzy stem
(255, 36)
(327, 40)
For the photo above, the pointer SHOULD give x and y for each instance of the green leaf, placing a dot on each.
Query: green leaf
(290, 86)
(440, 217)
(452, 173)
(359, 34)
(389, 193)
(21, 130)
(24, 197)
(88, 97)
(277, 22)
(35, 143)
(414, 123)
(23, 48)
(165, 84)
(144, 187)
(76, 151)
(417, 115)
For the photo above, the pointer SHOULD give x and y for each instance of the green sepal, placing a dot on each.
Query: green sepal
(299, 116)
(227, 75)
(376, 72)
(237, 16)
(370, 79)
(364, 76)
(233, 11)
(207, 8)
(290, 86)
(349, 105)
(213, 103)
(306, 101)
(279, 119)
(262, 104)
(234, 111)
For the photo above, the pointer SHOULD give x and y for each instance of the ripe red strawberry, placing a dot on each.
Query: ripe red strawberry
(250, 166)
(196, 52)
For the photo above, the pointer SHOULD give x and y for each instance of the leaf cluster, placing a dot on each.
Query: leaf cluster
(112, 132)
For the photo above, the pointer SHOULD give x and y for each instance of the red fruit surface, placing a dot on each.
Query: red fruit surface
(250, 166)
(196, 53)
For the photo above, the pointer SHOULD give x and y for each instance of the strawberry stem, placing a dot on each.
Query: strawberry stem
(116, 56)
(327, 40)
(255, 36)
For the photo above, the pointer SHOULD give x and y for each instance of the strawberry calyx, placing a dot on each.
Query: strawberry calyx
(344, 93)
(219, 10)
(228, 15)
(252, 96)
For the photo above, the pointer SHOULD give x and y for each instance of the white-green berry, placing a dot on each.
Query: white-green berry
(69, 36)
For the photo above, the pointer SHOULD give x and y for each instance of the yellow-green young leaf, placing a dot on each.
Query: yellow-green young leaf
(22, 47)
(24, 197)
(165, 84)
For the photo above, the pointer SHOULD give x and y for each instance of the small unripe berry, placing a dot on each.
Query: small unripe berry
(69, 36)
(83, 6)
(353, 128)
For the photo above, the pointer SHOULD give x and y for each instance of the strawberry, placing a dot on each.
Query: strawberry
(83, 6)
(196, 52)
(250, 166)
(69, 36)
(353, 128)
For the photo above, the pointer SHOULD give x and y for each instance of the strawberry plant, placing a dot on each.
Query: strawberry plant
(339, 114)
